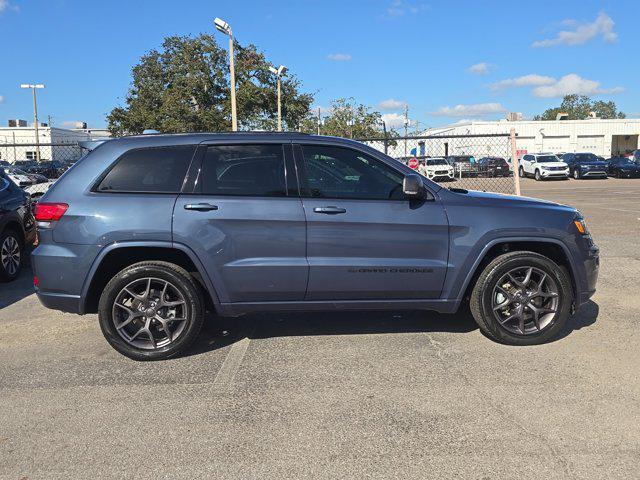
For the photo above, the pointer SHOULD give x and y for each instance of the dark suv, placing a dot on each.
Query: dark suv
(17, 227)
(585, 165)
(150, 230)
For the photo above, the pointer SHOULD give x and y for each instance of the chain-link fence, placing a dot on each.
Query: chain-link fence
(474, 162)
(62, 152)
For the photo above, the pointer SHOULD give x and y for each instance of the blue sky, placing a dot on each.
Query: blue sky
(448, 60)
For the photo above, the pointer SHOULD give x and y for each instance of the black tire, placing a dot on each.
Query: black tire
(576, 174)
(9, 242)
(521, 172)
(166, 272)
(537, 176)
(481, 298)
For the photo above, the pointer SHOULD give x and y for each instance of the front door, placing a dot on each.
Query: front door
(246, 223)
(365, 239)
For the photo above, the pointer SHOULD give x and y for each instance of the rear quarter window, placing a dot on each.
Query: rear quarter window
(159, 170)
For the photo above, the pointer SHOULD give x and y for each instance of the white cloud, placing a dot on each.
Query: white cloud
(398, 8)
(1, 98)
(582, 33)
(393, 120)
(481, 68)
(6, 5)
(391, 104)
(476, 109)
(339, 57)
(573, 84)
(531, 80)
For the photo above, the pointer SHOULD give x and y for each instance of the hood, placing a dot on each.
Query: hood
(438, 167)
(510, 200)
(551, 164)
(592, 162)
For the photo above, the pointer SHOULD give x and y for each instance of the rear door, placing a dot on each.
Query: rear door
(244, 219)
(365, 240)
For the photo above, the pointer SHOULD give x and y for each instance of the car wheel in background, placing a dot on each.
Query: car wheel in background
(537, 175)
(151, 311)
(10, 256)
(522, 298)
(521, 172)
(576, 174)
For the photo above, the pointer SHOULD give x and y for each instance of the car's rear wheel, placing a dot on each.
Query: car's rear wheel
(537, 175)
(151, 311)
(522, 298)
(10, 256)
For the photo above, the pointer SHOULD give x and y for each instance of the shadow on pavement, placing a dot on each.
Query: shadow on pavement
(21, 287)
(220, 332)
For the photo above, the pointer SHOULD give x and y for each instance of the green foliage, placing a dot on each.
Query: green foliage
(578, 107)
(346, 118)
(184, 87)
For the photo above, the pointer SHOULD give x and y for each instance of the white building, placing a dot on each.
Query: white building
(602, 137)
(19, 143)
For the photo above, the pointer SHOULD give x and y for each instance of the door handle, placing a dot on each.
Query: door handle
(200, 207)
(330, 210)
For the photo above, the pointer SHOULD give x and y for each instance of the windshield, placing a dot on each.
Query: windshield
(547, 159)
(437, 161)
(586, 157)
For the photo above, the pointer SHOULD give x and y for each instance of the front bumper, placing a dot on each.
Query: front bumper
(593, 173)
(554, 173)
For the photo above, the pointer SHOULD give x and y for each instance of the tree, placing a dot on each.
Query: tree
(346, 119)
(578, 107)
(184, 87)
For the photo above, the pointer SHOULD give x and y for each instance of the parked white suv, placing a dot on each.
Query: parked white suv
(436, 169)
(543, 165)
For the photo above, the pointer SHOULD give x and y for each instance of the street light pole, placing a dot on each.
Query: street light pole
(224, 27)
(279, 72)
(33, 88)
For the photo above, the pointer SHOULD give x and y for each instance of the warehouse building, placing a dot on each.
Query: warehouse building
(602, 137)
(18, 142)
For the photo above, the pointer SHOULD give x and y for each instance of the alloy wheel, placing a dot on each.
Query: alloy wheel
(525, 300)
(150, 313)
(10, 255)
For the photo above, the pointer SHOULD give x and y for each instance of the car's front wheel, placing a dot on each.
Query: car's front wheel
(576, 174)
(522, 298)
(10, 256)
(521, 172)
(537, 175)
(151, 311)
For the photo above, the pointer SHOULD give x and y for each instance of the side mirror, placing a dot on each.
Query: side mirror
(412, 185)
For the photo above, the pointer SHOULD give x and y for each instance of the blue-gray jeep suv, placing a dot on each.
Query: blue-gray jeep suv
(148, 231)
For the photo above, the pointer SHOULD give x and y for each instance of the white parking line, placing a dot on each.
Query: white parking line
(225, 376)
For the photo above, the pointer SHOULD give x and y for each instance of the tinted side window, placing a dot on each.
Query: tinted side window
(335, 172)
(246, 170)
(159, 170)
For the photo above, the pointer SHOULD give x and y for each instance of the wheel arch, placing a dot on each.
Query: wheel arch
(113, 258)
(551, 248)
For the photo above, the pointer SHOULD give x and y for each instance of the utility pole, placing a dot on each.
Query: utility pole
(406, 127)
(278, 72)
(49, 121)
(33, 88)
(224, 27)
(319, 120)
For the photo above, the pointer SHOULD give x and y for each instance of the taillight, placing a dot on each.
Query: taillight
(50, 212)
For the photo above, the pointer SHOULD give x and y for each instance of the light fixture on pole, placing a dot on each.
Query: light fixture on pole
(224, 27)
(33, 88)
(279, 72)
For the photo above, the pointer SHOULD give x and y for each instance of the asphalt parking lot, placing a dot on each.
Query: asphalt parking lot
(355, 395)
